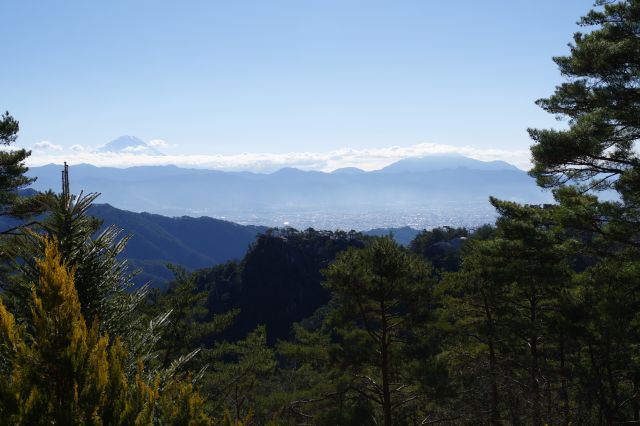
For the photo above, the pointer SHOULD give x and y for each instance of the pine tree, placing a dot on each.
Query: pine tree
(601, 102)
(103, 280)
(13, 176)
(508, 306)
(58, 370)
(378, 292)
(190, 325)
(237, 378)
(606, 367)
(474, 303)
(314, 387)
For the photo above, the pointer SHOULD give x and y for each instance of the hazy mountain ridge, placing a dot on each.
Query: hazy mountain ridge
(413, 192)
(191, 242)
(444, 162)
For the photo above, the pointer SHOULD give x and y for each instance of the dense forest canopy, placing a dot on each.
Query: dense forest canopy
(534, 320)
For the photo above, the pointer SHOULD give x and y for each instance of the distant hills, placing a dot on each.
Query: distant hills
(424, 192)
(446, 162)
(403, 235)
(190, 242)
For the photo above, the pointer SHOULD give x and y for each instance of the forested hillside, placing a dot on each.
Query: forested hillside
(278, 283)
(190, 242)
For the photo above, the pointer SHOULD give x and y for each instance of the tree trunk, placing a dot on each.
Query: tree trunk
(384, 352)
(494, 412)
(564, 388)
(533, 344)
(636, 389)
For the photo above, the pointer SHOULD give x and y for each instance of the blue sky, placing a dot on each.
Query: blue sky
(283, 79)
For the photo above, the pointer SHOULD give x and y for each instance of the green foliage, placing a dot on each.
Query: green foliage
(443, 246)
(277, 283)
(190, 325)
(601, 102)
(238, 379)
(600, 99)
(382, 301)
(102, 279)
(308, 373)
(424, 239)
(506, 306)
(191, 242)
(60, 371)
(315, 387)
(13, 175)
(605, 354)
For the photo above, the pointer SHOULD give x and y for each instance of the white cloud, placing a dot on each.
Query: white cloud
(46, 146)
(367, 159)
(77, 148)
(158, 143)
(135, 149)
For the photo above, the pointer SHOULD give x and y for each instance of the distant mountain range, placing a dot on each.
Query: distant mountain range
(436, 163)
(417, 192)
